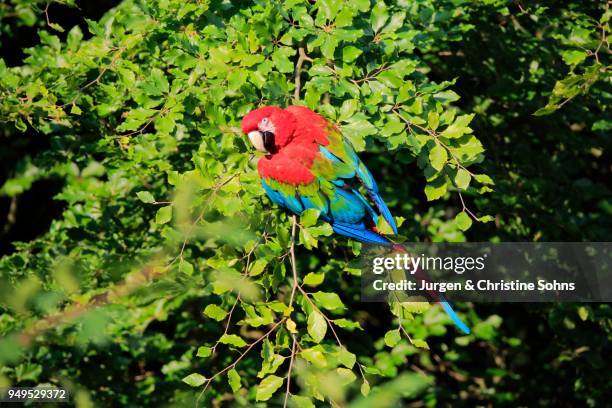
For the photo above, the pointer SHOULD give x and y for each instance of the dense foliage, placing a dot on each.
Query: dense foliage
(167, 277)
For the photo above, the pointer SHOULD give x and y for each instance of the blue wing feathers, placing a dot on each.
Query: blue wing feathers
(290, 203)
(344, 207)
(363, 174)
(384, 210)
(370, 184)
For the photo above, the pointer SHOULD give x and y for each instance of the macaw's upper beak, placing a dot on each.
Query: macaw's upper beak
(263, 141)
(257, 140)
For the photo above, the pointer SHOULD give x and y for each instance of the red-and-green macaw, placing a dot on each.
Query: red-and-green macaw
(309, 164)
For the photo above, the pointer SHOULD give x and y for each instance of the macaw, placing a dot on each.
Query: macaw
(310, 165)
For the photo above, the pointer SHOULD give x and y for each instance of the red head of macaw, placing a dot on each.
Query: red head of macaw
(309, 164)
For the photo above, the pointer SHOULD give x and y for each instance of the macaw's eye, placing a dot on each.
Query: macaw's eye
(268, 140)
(264, 121)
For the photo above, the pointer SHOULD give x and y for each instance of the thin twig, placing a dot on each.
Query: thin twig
(46, 11)
(465, 208)
(289, 371)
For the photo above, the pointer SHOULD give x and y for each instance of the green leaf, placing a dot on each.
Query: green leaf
(300, 401)
(328, 47)
(328, 300)
(365, 388)
(145, 197)
(462, 179)
(346, 358)
(484, 179)
(447, 96)
(56, 27)
(313, 279)
(75, 110)
(464, 120)
(436, 188)
(463, 221)
(487, 330)
(392, 337)
(163, 215)
(204, 352)
(455, 131)
(232, 340)
(258, 267)
(396, 22)
(323, 230)
(602, 124)
(416, 307)
(268, 387)
(156, 83)
(347, 324)
(194, 380)
(281, 59)
(315, 357)
(346, 376)
(317, 326)
(234, 380)
(583, 313)
(307, 239)
(420, 344)
(393, 126)
(350, 53)
(309, 217)
(186, 267)
(546, 110)
(433, 119)
(486, 218)
(573, 57)
(328, 9)
(379, 16)
(271, 365)
(348, 108)
(438, 157)
(215, 312)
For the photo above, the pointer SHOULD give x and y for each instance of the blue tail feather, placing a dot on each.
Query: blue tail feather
(458, 322)
(360, 233)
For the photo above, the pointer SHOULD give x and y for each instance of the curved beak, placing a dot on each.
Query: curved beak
(257, 140)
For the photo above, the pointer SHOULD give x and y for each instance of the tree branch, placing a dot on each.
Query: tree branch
(298, 69)
(289, 371)
(293, 267)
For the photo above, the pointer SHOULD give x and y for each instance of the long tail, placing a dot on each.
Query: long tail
(420, 274)
(458, 322)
